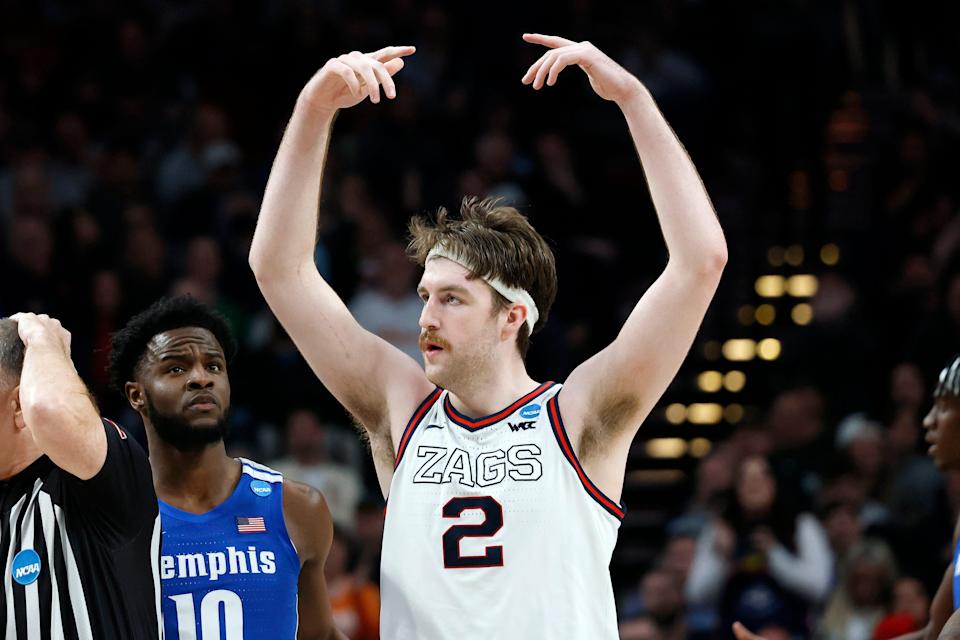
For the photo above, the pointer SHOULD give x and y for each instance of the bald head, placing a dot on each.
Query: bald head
(11, 353)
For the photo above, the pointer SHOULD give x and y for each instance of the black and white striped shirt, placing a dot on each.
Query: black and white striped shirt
(80, 558)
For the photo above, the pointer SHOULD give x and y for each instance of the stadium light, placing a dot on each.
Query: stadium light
(802, 286)
(769, 286)
(768, 349)
(794, 255)
(699, 447)
(705, 413)
(802, 314)
(733, 413)
(739, 349)
(676, 413)
(766, 314)
(734, 381)
(666, 447)
(710, 381)
(830, 254)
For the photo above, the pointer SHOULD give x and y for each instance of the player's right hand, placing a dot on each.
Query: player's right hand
(346, 80)
(35, 329)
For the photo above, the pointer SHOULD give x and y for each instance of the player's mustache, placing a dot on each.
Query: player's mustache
(432, 338)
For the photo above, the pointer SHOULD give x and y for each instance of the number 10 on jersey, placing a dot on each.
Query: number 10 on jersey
(210, 607)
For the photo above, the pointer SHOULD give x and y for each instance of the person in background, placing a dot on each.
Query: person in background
(354, 599)
(761, 562)
(389, 306)
(308, 460)
(860, 601)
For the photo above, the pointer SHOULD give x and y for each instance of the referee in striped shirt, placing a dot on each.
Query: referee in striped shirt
(79, 526)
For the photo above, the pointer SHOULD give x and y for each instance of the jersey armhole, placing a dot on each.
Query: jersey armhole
(421, 411)
(617, 510)
(284, 532)
(256, 471)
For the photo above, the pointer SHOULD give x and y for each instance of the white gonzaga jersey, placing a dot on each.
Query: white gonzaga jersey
(494, 531)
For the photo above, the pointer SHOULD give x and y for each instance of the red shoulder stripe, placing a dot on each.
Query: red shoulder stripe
(553, 410)
(414, 421)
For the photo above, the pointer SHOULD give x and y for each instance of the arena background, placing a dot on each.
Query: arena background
(136, 138)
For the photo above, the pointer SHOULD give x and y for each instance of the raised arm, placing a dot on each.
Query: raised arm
(57, 408)
(807, 571)
(368, 376)
(607, 397)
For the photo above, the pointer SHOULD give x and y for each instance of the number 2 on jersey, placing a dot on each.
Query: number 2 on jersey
(210, 616)
(493, 521)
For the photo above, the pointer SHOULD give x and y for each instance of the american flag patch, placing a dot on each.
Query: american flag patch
(251, 525)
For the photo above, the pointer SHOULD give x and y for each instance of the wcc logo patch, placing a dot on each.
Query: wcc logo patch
(26, 567)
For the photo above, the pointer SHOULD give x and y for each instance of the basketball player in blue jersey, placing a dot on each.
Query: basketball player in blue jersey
(243, 550)
(504, 492)
(943, 435)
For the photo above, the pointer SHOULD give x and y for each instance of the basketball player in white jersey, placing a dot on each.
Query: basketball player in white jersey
(503, 492)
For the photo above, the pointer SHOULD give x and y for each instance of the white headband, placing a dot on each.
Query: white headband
(513, 294)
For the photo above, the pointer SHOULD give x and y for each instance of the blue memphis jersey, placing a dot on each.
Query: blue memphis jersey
(231, 573)
(956, 576)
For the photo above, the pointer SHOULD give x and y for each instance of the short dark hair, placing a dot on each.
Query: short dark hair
(11, 352)
(127, 346)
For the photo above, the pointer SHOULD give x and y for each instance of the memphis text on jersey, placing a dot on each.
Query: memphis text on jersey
(214, 564)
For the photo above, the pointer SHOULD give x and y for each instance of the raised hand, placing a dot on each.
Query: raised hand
(35, 329)
(346, 80)
(609, 80)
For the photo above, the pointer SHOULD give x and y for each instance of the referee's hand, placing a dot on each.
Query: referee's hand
(36, 329)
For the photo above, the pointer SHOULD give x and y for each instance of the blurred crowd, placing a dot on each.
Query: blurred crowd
(135, 141)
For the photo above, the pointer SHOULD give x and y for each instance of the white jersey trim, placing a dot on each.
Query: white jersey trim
(260, 472)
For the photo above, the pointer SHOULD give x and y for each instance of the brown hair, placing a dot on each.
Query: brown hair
(12, 351)
(498, 241)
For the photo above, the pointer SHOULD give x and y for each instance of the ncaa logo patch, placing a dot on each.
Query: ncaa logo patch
(26, 567)
(530, 412)
(261, 488)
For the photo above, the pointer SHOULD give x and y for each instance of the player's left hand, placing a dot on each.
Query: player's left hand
(609, 80)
